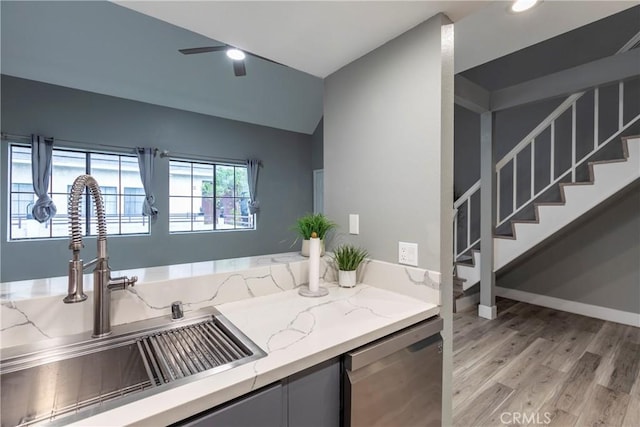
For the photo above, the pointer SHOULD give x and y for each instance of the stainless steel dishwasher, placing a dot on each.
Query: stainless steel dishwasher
(397, 380)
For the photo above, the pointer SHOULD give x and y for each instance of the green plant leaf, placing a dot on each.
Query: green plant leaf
(349, 257)
(307, 224)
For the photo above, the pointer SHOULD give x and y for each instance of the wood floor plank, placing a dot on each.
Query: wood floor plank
(471, 379)
(529, 398)
(479, 408)
(504, 305)
(625, 367)
(550, 360)
(515, 372)
(569, 350)
(469, 354)
(554, 417)
(632, 334)
(606, 344)
(474, 333)
(604, 407)
(632, 416)
(570, 395)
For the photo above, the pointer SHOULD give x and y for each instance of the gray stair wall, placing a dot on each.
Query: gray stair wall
(594, 262)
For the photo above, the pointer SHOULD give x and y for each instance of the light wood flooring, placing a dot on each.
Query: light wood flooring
(538, 366)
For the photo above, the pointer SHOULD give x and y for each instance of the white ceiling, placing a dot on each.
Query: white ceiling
(317, 37)
(320, 37)
(100, 47)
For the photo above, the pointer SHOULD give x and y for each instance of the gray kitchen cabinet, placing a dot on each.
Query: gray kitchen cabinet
(263, 408)
(310, 398)
(313, 396)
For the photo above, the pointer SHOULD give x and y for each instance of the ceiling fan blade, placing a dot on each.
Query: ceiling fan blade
(239, 69)
(207, 49)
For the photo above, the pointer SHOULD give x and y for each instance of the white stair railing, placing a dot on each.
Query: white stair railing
(464, 200)
(529, 140)
(556, 176)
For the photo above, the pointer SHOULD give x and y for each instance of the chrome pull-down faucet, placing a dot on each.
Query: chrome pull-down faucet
(103, 283)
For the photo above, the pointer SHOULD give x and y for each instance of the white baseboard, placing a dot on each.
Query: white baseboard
(467, 301)
(488, 312)
(604, 313)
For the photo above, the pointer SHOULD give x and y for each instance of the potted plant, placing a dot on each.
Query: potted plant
(307, 224)
(347, 259)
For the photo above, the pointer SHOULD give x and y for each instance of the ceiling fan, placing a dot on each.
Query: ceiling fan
(236, 55)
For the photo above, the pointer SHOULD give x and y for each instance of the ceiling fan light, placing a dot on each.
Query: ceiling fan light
(522, 5)
(235, 54)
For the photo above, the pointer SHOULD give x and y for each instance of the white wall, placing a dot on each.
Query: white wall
(388, 155)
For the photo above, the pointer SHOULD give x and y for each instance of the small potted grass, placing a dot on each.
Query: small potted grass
(347, 259)
(312, 223)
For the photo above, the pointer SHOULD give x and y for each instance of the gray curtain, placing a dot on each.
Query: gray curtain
(146, 158)
(41, 149)
(252, 177)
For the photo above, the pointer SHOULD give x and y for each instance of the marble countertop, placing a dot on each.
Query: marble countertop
(36, 288)
(295, 332)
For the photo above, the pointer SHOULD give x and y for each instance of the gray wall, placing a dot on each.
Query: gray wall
(382, 146)
(596, 262)
(510, 126)
(317, 146)
(388, 156)
(285, 187)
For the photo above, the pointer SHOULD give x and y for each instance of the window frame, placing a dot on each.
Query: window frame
(88, 221)
(194, 196)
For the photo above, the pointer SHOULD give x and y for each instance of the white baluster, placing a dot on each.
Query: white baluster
(497, 195)
(573, 142)
(533, 167)
(455, 236)
(596, 116)
(620, 105)
(515, 181)
(468, 221)
(552, 154)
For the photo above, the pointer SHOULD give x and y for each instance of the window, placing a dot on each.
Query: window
(206, 197)
(118, 176)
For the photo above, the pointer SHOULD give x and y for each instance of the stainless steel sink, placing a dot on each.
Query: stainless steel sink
(79, 376)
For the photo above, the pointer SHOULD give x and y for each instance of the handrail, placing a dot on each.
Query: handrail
(561, 109)
(570, 170)
(467, 194)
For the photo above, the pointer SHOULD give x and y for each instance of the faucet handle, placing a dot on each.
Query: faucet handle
(120, 283)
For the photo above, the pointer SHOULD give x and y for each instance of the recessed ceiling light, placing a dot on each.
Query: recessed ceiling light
(522, 5)
(235, 54)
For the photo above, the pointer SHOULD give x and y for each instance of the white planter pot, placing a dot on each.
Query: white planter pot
(305, 248)
(347, 279)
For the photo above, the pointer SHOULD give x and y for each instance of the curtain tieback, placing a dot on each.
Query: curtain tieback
(44, 209)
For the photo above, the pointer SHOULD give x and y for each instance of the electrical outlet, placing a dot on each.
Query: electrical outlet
(408, 253)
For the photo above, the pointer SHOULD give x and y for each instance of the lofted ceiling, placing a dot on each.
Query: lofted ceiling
(132, 51)
(320, 37)
(101, 47)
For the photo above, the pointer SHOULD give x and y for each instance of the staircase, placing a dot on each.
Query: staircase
(556, 174)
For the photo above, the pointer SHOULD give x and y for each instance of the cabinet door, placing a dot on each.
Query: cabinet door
(264, 409)
(314, 396)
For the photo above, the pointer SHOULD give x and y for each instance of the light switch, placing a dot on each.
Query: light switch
(354, 224)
